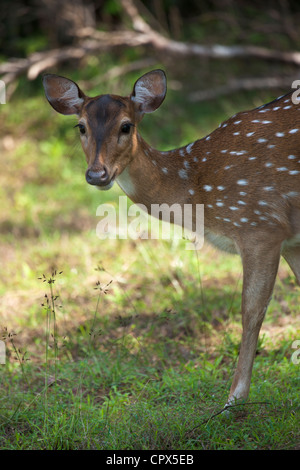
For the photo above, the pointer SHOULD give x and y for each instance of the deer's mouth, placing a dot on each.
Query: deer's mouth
(100, 179)
(106, 186)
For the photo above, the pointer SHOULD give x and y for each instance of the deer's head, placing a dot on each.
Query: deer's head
(107, 123)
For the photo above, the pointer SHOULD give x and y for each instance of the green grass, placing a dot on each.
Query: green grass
(129, 382)
(135, 345)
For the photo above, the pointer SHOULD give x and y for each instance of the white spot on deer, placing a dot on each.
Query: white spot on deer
(290, 194)
(220, 188)
(183, 174)
(282, 168)
(261, 140)
(293, 131)
(250, 134)
(293, 172)
(191, 191)
(242, 182)
(291, 157)
(244, 219)
(279, 134)
(206, 187)
(233, 208)
(164, 170)
(189, 147)
(220, 204)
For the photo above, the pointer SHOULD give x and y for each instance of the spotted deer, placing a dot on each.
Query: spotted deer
(246, 173)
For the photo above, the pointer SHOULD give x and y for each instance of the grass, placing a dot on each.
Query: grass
(124, 344)
(119, 383)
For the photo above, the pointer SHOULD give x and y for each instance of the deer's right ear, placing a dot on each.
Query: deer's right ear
(63, 94)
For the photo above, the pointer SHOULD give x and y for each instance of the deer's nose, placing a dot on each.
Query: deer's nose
(97, 178)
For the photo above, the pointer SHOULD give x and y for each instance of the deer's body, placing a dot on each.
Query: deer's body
(246, 173)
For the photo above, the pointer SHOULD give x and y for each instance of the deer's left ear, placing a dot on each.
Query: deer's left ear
(149, 91)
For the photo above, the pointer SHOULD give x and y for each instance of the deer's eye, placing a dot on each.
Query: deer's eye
(125, 128)
(81, 129)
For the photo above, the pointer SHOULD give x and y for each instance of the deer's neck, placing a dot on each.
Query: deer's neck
(155, 177)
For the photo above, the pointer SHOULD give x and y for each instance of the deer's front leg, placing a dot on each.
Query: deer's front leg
(260, 264)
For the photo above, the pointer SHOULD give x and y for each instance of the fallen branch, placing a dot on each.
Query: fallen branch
(243, 84)
(217, 51)
(38, 62)
(91, 42)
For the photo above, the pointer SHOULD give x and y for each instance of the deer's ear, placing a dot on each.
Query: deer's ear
(63, 94)
(149, 91)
